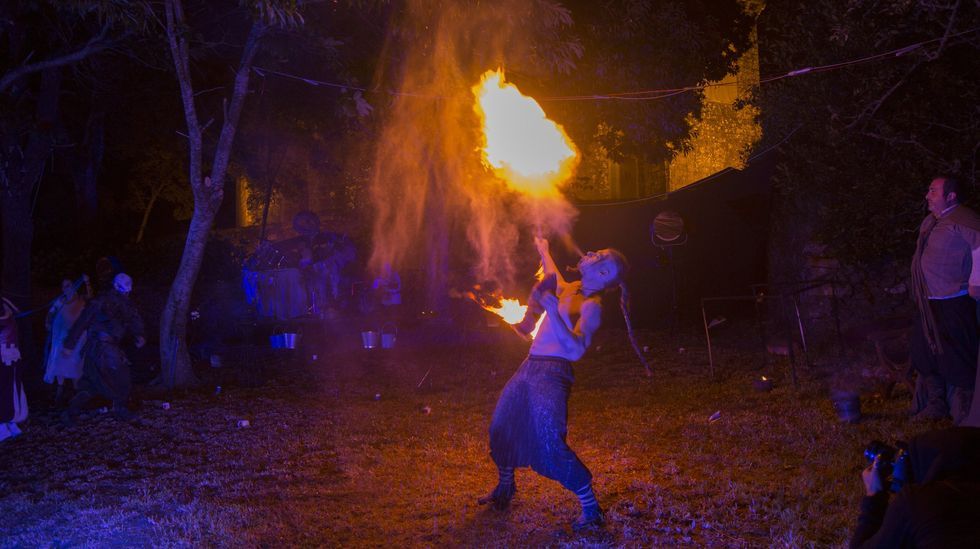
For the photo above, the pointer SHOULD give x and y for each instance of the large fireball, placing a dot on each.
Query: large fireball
(521, 145)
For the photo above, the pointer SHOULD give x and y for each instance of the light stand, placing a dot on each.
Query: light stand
(666, 233)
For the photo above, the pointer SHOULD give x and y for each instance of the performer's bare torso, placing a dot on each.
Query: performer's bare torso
(570, 305)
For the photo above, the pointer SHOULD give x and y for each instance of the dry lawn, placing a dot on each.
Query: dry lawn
(326, 463)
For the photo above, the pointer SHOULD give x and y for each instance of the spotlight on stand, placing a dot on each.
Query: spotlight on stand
(666, 233)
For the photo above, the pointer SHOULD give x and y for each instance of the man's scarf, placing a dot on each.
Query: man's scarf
(960, 215)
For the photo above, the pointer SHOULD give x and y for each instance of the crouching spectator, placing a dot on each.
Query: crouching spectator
(937, 505)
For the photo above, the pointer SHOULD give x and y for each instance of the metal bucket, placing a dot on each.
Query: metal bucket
(369, 339)
(289, 340)
(388, 333)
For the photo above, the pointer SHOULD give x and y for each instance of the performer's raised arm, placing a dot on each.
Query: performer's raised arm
(546, 260)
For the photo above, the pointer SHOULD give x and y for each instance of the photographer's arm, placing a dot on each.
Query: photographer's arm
(880, 524)
(884, 524)
(869, 521)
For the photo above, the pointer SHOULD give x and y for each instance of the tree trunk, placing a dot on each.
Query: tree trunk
(24, 167)
(175, 369)
(88, 162)
(175, 363)
(18, 233)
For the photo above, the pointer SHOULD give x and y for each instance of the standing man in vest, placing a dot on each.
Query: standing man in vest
(946, 282)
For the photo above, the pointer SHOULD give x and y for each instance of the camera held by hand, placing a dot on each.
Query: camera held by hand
(892, 462)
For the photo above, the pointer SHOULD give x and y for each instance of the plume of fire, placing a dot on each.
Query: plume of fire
(430, 190)
(530, 152)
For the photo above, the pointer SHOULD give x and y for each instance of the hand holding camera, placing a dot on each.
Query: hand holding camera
(872, 478)
(887, 464)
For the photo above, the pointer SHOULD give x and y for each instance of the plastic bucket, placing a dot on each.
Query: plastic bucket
(277, 341)
(388, 334)
(369, 339)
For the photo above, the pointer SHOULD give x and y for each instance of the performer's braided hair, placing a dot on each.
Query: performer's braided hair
(623, 268)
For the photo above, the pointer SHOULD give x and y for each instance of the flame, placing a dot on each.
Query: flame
(510, 310)
(534, 332)
(520, 144)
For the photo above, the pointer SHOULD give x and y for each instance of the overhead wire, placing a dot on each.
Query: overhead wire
(642, 95)
(656, 94)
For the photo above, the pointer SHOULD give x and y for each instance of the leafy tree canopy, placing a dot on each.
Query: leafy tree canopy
(636, 45)
(869, 137)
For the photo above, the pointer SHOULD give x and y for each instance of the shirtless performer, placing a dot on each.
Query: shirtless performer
(530, 421)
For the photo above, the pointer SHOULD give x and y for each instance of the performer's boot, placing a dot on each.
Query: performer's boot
(592, 516)
(504, 492)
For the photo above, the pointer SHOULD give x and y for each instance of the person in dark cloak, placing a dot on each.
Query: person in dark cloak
(937, 506)
(529, 423)
(108, 318)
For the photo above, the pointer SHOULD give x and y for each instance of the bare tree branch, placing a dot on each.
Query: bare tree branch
(180, 51)
(233, 108)
(949, 29)
(971, 128)
(899, 141)
(872, 108)
(202, 92)
(95, 45)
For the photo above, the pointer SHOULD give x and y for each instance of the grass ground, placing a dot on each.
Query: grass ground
(389, 448)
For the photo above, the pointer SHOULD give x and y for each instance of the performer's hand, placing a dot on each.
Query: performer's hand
(872, 479)
(974, 292)
(549, 301)
(140, 341)
(85, 278)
